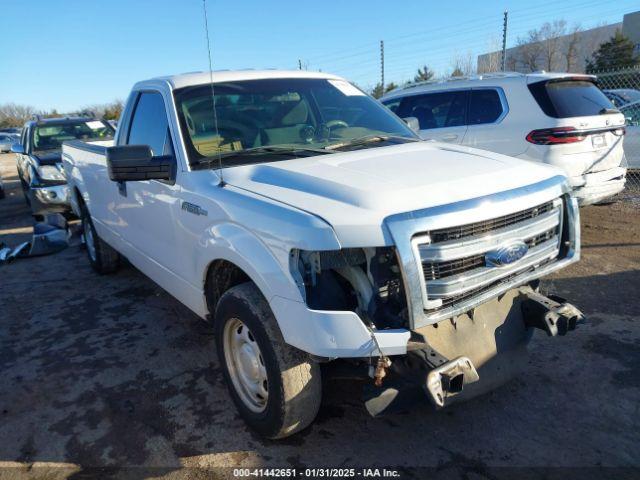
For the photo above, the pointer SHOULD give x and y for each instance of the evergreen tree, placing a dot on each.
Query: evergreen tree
(424, 74)
(615, 54)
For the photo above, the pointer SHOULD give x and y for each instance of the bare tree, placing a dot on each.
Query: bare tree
(109, 111)
(463, 65)
(14, 115)
(491, 62)
(530, 50)
(570, 53)
(512, 63)
(550, 34)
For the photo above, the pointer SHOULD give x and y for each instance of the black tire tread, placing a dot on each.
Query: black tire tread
(107, 258)
(301, 383)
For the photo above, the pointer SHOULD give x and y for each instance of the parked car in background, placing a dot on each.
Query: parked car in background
(13, 130)
(631, 113)
(622, 96)
(310, 224)
(38, 158)
(6, 142)
(555, 118)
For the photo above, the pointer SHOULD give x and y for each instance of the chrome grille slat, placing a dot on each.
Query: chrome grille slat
(437, 270)
(477, 228)
(452, 250)
(482, 276)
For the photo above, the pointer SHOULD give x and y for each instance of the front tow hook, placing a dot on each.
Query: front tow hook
(551, 313)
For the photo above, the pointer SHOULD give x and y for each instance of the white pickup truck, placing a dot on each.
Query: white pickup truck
(310, 225)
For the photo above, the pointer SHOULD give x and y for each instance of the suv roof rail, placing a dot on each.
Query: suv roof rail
(475, 76)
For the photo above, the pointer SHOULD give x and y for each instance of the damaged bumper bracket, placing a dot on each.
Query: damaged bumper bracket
(552, 314)
(449, 379)
(422, 370)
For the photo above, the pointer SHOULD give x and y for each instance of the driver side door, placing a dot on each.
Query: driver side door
(147, 210)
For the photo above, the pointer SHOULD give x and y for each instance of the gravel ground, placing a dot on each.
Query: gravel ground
(113, 372)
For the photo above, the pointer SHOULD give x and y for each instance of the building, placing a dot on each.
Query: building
(566, 53)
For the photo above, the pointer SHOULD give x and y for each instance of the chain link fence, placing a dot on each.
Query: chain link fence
(623, 89)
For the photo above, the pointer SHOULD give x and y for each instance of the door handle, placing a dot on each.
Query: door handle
(449, 137)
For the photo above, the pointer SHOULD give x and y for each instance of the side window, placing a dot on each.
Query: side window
(149, 124)
(436, 110)
(393, 105)
(484, 107)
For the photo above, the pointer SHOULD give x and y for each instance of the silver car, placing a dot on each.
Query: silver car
(631, 144)
(6, 141)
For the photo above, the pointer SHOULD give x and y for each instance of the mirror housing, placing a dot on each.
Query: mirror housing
(17, 148)
(136, 162)
(413, 123)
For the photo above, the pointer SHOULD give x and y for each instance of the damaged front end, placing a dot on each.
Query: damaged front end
(463, 280)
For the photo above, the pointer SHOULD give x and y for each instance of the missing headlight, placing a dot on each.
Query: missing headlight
(364, 280)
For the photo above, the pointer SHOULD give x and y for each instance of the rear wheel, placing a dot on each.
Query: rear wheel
(103, 258)
(276, 387)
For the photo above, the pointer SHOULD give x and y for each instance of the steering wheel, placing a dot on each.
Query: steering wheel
(337, 123)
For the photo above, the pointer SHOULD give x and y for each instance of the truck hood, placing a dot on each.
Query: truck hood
(48, 158)
(355, 191)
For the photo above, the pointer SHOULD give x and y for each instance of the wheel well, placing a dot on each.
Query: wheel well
(221, 276)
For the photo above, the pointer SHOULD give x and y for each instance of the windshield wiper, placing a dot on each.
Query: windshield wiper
(606, 111)
(263, 150)
(356, 142)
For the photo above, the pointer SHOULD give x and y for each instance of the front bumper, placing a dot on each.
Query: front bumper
(476, 354)
(598, 186)
(49, 199)
(334, 334)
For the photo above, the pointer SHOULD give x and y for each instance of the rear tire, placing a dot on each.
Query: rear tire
(276, 387)
(103, 258)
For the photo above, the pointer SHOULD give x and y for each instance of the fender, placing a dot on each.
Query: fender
(266, 266)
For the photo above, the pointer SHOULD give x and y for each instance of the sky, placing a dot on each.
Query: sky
(69, 54)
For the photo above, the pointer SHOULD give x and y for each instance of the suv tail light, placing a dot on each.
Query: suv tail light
(555, 136)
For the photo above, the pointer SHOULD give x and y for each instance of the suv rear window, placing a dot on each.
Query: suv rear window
(569, 98)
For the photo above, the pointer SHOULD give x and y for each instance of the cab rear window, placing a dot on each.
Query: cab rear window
(569, 98)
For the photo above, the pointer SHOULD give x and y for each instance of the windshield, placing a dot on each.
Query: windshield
(308, 114)
(49, 136)
(570, 98)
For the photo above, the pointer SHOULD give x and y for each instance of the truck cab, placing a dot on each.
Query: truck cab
(310, 225)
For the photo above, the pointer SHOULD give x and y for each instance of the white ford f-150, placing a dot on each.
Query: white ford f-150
(313, 228)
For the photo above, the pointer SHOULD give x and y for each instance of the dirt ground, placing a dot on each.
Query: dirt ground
(110, 371)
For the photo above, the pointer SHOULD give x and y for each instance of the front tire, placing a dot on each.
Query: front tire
(276, 387)
(103, 258)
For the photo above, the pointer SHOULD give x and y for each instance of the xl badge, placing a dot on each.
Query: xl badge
(507, 254)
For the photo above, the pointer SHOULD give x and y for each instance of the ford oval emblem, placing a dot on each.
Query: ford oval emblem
(507, 254)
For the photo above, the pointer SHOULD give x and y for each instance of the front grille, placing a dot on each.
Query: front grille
(436, 270)
(458, 299)
(453, 260)
(478, 228)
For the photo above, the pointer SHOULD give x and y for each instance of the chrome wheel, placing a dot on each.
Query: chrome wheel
(89, 240)
(246, 365)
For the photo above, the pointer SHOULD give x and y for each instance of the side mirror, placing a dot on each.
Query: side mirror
(136, 162)
(17, 148)
(628, 120)
(413, 123)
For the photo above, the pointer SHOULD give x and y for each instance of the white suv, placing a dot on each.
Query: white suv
(556, 118)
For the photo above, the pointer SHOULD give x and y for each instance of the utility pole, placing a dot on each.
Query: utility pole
(504, 41)
(382, 64)
(299, 64)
